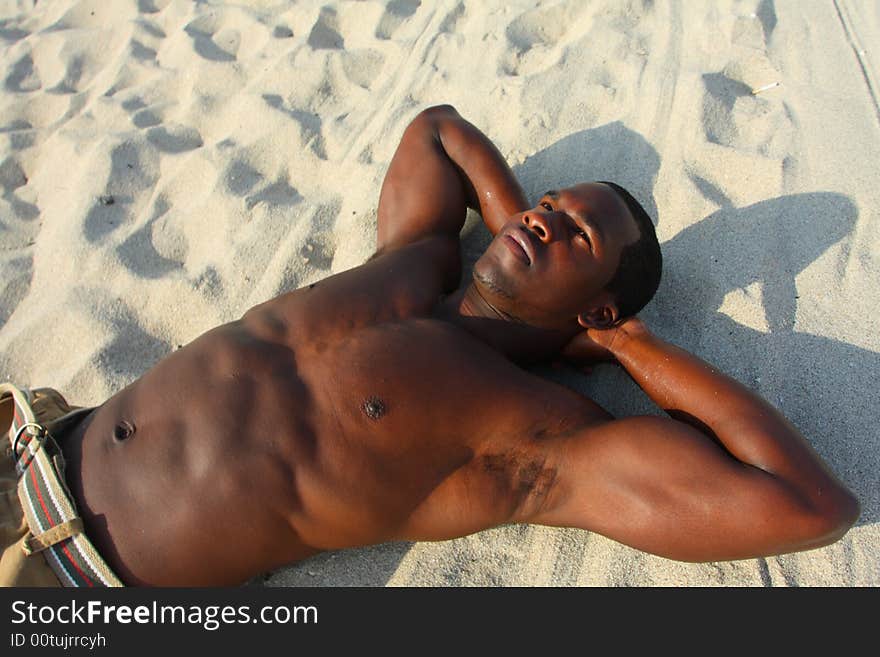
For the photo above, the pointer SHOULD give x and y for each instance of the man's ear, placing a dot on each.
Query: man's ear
(599, 317)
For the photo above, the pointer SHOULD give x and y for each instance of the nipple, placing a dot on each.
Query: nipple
(374, 408)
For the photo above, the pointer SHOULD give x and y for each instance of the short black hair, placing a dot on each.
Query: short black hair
(638, 273)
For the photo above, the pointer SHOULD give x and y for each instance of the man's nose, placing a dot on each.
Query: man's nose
(540, 224)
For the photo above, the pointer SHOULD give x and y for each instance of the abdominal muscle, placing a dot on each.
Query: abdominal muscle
(204, 488)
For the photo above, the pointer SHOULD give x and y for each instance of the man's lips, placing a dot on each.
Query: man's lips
(520, 245)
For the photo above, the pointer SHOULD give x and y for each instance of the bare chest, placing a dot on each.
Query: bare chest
(417, 382)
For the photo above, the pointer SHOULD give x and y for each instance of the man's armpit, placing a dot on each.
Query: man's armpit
(611, 465)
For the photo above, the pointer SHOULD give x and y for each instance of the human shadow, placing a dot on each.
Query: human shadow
(825, 386)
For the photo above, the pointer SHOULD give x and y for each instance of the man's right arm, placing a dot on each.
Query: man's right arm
(443, 166)
(490, 186)
(728, 478)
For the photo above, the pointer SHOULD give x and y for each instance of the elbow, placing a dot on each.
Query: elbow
(845, 513)
(835, 518)
(433, 117)
(429, 122)
(437, 111)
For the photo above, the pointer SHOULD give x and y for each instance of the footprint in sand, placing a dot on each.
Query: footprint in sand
(141, 52)
(536, 38)
(21, 134)
(131, 348)
(240, 178)
(318, 251)
(146, 118)
(15, 282)
(141, 115)
(19, 229)
(755, 29)
(719, 100)
(22, 76)
(395, 14)
(362, 67)
(734, 116)
(450, 21)
(150, 28)
(72, 76)
(325, 33)
(169, 137)
(310, 124)
(12, 34)
(211, 44)
(156, 249)
(279, 193)
(12, 177)
(152, 6)
(134, 171)
(174, 138)
(209, 283)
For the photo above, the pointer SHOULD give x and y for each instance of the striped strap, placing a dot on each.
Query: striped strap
(55, 527)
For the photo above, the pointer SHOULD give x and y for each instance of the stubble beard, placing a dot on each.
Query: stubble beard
(491, 283)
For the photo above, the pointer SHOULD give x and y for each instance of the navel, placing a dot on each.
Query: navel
(374, 408)
(123, 431)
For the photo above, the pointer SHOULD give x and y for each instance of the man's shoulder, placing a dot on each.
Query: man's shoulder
(427, 268)
(392, 284)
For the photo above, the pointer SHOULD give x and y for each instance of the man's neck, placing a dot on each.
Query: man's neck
(521, 342)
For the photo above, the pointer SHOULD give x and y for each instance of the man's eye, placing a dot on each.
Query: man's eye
(580, 232)
(547, 206)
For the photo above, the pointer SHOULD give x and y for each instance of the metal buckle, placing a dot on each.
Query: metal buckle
(41, 433)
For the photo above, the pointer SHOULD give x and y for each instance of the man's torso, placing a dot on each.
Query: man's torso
(342, 414)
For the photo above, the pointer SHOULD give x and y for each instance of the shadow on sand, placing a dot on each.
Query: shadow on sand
(825, 386)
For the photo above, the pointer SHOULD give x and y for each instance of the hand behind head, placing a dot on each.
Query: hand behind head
(606, 338)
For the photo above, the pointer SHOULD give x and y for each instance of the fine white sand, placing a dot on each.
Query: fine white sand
(166, 165)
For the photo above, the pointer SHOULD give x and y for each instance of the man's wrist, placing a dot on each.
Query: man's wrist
(628, 336)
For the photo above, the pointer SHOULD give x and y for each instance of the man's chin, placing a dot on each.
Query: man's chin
(489, 282)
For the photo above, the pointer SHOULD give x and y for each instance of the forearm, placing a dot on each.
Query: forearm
(489, 185)
(748, 427)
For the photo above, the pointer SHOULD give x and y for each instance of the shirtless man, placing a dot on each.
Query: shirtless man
(387, 402)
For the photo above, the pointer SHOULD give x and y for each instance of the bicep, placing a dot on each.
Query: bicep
(422, 194)
(663, 487)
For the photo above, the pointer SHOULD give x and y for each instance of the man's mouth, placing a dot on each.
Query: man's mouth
(519, 245)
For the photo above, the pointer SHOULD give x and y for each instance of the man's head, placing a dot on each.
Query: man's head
(586, 253)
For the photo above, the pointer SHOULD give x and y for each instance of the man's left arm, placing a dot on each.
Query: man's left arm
(726, 477)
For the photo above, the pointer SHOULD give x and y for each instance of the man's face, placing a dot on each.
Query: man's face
(551, 263)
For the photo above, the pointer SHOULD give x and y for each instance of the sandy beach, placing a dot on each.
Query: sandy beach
(166, 165)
